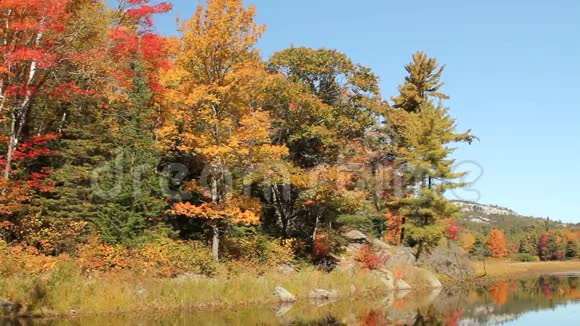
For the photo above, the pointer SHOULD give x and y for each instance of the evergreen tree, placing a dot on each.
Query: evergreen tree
(528, 245)
(479, 248)
(128, 186)
(572, 249)
(421, 85)
(426, 131)
(86, 143)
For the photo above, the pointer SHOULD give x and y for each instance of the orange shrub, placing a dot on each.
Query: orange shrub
(369, 259)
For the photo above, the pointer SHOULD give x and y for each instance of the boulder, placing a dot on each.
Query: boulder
(285, 269)
(284, 295)
(9, 308)
(401, 285)
(321, 294)
(427, 278)
(380, 245)
(355, 236)
(400, 256)
(353, 248)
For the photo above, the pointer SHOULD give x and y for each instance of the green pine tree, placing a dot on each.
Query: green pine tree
(131, 198)
(85, 143)
(427, 131)
(480, 248)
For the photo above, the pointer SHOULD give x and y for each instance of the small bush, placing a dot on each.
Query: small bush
(258, 250)
(527, 258)
(369, 259)
(163, 257)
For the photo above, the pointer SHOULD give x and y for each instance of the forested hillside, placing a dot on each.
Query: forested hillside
(523, 236)
(129, 150)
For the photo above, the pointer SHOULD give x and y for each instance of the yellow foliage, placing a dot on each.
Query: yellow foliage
(211, 211)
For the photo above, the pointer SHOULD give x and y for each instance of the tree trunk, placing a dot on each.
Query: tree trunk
(215, 243)
(316, 222)
(420, 250)
(12, 143)
(19, 114)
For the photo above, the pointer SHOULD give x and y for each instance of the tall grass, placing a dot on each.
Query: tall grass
(64, 290)
(503, 267)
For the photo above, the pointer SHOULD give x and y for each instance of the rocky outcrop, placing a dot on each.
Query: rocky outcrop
(355, 236)
(400, 256)
(285, 269)
(394, 258)
(380, 245)
(284, 295)
(469, 207)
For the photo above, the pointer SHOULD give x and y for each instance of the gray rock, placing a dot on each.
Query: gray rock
(321, 294)
(400, 255)
(285, 269)
(355, 236)
(378, 244)
(9, 308)
(401, 285)
(284, 295)
(353, 248)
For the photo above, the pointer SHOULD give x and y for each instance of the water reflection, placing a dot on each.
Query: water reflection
(500, 302)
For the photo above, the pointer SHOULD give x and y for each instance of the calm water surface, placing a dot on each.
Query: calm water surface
(549, 300)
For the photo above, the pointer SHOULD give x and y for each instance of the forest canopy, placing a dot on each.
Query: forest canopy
(115, 136)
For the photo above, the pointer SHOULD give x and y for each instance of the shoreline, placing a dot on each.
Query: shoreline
(125, 296)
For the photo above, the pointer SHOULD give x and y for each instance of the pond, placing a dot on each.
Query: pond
(545, 300)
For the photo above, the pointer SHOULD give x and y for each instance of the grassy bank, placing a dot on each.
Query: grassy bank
(504, 268)
(64, 291)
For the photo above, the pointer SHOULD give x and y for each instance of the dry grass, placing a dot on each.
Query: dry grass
(503, 267)
(64, 290)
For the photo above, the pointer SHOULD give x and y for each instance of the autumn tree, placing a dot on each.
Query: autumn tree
(467, 240)
(40, 38)
(324, 102)
(215, 116)
(497, 244)
(323, 105)
(551, 246)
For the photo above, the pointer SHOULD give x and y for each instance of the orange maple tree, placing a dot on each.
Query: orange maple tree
(497, 244)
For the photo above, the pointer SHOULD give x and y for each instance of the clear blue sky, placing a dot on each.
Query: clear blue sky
(513, 73)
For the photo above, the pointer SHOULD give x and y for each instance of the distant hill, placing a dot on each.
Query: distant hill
(481, 219)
